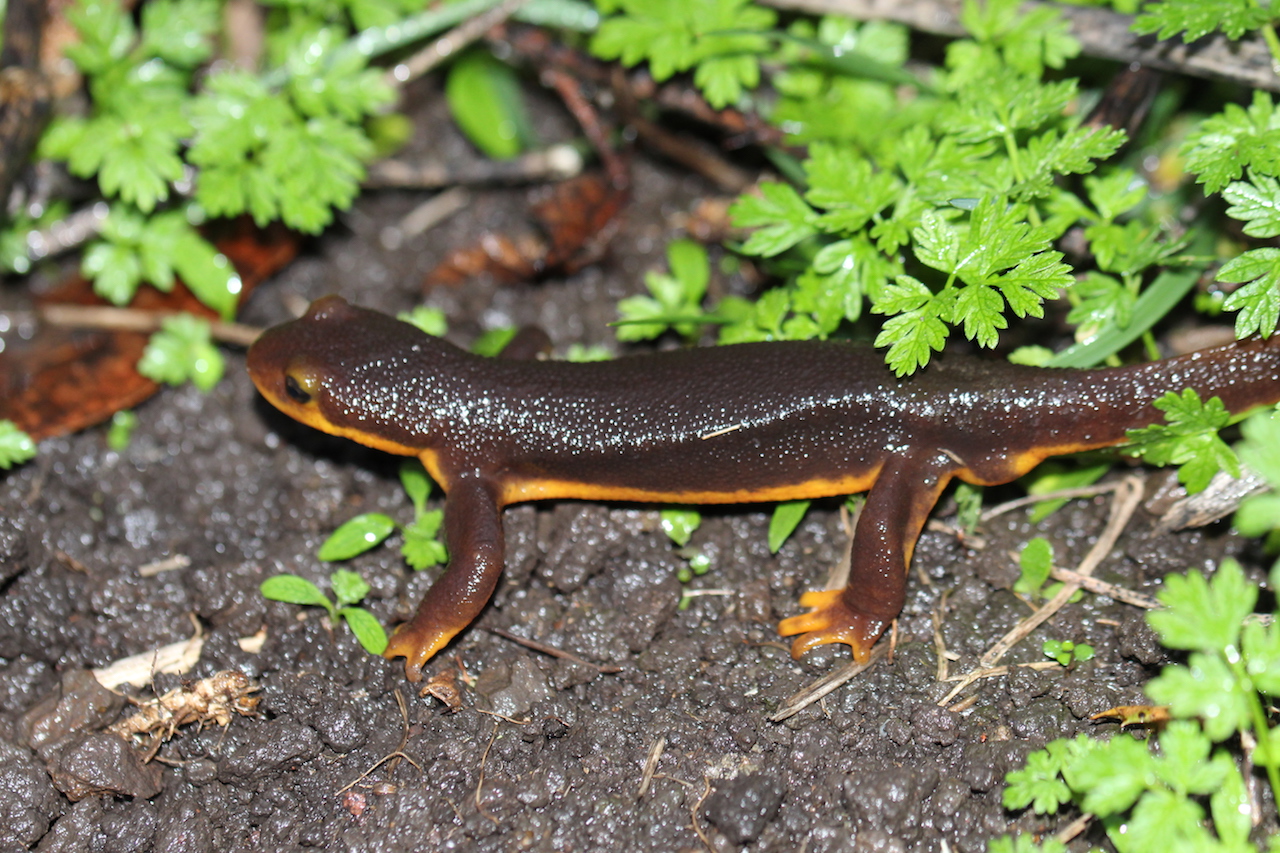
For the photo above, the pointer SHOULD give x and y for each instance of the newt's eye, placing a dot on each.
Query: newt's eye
(300, 388)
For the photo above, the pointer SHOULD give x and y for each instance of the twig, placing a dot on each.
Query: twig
(1128, 495)
(1078, 492)
(1101, 587)
(997, 671)
(425, 216)
(939, 642)
(820, 688)
(556, 163)
(693, 813)
(1074, 828)
(374, 766)
(167, 564)
(480, 781)
(1101, 32)
(651, 766)
(451, 42)
(553, 651)
(67, 233)
(503, 717)
(134, 320)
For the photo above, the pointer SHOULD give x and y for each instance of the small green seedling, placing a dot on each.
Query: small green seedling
(675, 301)
(428, 319)
(679, 523)
(1036, 562)
(123, 423)
(16, 446)
(1066, 652)
(968, 499)
(421, 549)
(348, 588)
(183, 349)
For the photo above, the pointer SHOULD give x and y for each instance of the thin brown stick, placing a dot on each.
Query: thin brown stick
(939, 642)
(374, 766)
(1128, 496)
(1004, 669)
(693, 813)
(1061, 494)
(555, 163)
(1101, 587)
(1101, 32)
(448, 45)
(651, 766)
(820, 688)
(553, 651)
(1074, 828)
(480, 781)
(133, 320)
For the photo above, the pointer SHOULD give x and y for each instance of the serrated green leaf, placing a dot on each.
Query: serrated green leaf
(1205, 688)
(1189, 438)
(106, 35)
(782, 216)
(421, 549)
(183, 350)
(1103, 302)
(1197, 18)
(1260, 645)
(356, 536)
(1115, 192)
(912, 338)
(1167, 815)
(1112, 776)
(16, 446)
(1183, 763)
(1038, 784)
(1258, 302)
(179, 31)
(1230, 805)
(978, 308)
(348, 587)
(1256, 203)
(1220, 149)
(115, 270)
(1204, 614)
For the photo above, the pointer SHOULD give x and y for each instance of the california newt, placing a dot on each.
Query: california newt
(730, 424)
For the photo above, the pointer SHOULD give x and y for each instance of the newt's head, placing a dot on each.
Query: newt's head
(332, 369)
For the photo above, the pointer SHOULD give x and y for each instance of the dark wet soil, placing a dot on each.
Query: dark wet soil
(545, 754)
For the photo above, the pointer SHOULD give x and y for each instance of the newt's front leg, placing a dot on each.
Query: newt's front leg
(885, 537)
(473, 536)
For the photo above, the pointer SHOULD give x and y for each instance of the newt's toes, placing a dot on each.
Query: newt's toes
(415, 647)
(832, 621)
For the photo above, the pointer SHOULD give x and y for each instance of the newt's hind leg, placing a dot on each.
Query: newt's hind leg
(897, 506)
